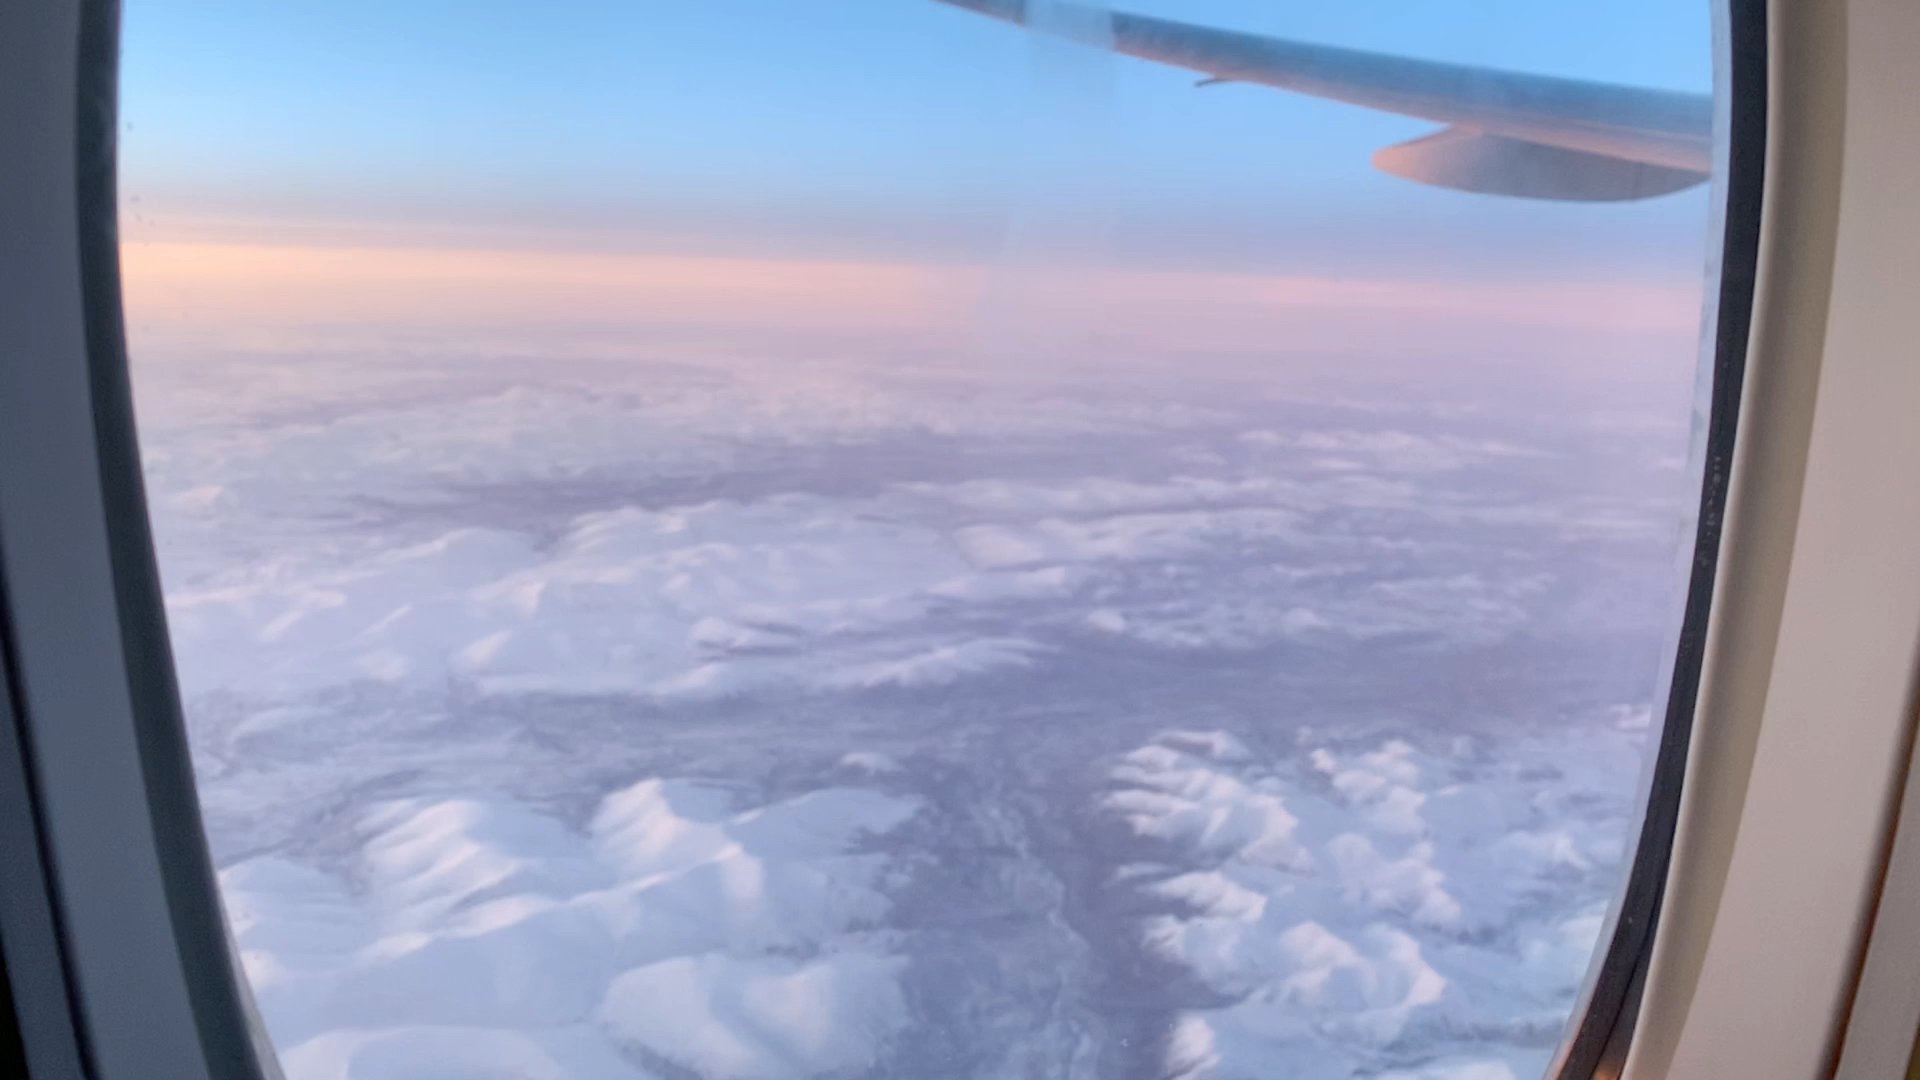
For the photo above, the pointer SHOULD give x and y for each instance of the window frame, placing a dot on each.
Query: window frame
(114, 943)
(1788, 863)
(116, 948)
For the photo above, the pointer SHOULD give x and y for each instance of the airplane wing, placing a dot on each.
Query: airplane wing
(1507, 133)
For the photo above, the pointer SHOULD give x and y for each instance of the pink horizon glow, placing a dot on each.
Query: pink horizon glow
(187, 296)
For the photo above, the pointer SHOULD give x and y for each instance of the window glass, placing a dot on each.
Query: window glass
(755, 540)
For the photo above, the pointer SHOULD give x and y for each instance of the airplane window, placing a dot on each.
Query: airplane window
(755, 540)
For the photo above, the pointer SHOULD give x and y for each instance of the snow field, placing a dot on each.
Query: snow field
(474, 938)
(1363, 911)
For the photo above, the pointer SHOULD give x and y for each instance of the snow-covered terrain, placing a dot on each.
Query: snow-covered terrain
(608, 717)
(677, 927)
(1349, 911)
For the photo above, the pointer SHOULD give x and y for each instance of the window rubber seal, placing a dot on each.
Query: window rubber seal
(1598, 1037)
(218, 996)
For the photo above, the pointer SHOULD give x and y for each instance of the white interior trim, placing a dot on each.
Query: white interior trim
(1804, 718)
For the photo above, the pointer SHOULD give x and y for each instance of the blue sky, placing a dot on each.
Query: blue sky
(872, 124)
